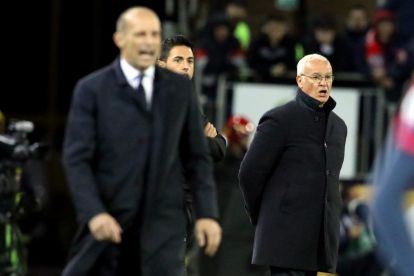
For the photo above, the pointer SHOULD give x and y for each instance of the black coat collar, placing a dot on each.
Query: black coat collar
(313, 104)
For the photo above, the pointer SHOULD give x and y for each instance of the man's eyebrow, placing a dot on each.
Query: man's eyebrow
(319, 74)
(178, 57)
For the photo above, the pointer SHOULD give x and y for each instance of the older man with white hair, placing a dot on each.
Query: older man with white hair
(290, 177)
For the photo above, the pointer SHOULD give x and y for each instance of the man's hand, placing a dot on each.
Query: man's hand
(208, 235)
(210, 130)
(105, 228)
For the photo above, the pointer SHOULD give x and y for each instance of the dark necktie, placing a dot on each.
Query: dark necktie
(141, 91)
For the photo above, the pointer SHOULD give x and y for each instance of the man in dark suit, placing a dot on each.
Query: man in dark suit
(131, 131)
(290, 177)
(177, 55)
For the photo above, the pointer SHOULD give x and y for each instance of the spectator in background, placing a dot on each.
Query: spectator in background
(237, 12)
(217, 53)
(403, 67)
(356, 27)
(272, 55)
(393, 178)
(325, 40)
(357, 256)
(404, 16)
(382, 52)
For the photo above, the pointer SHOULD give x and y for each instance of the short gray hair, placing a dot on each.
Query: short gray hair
(300, 67)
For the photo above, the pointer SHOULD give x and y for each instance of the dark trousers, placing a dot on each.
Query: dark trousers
(120, 259)
(277, 271)
(125, 260)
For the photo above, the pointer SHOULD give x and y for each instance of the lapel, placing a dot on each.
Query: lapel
(128, 92)
(165, 129)
(160, 130)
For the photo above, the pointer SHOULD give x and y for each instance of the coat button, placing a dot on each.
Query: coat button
(316, 119)
(325, 145)
(328, 172)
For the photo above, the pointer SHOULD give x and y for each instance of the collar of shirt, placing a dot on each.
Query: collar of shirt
(131, 75)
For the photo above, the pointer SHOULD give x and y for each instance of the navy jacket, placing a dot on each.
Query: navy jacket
(123, 159)
(290, 182)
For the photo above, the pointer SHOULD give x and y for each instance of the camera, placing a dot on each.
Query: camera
(15, 150)
(17, 196)
(16, 146)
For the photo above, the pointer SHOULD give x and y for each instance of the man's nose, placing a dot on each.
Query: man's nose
(186, 66)
(323, 81)
(151, 39)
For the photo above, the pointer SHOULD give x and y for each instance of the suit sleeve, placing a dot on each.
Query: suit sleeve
(78, 152)
(259, 162)
(217, 146)
(197, 161)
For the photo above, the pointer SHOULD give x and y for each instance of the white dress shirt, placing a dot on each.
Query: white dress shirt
(132, 76)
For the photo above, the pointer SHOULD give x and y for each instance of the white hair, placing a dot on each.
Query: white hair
(300, 67)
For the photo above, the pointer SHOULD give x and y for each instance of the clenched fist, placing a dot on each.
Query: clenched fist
(208, 235)
(104, 227)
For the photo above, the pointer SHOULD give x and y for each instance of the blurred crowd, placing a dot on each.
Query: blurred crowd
(375, 46)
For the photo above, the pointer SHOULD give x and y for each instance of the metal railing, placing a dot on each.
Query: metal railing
(373, 115)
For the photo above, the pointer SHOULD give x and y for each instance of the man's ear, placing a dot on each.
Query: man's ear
(161, 63)
(118, 39)
(299, 80)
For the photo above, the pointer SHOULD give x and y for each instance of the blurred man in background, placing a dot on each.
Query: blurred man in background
(393, 179)
(132, 129)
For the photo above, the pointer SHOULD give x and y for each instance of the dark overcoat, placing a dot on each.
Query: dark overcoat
(123, 159)
(290, 182)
